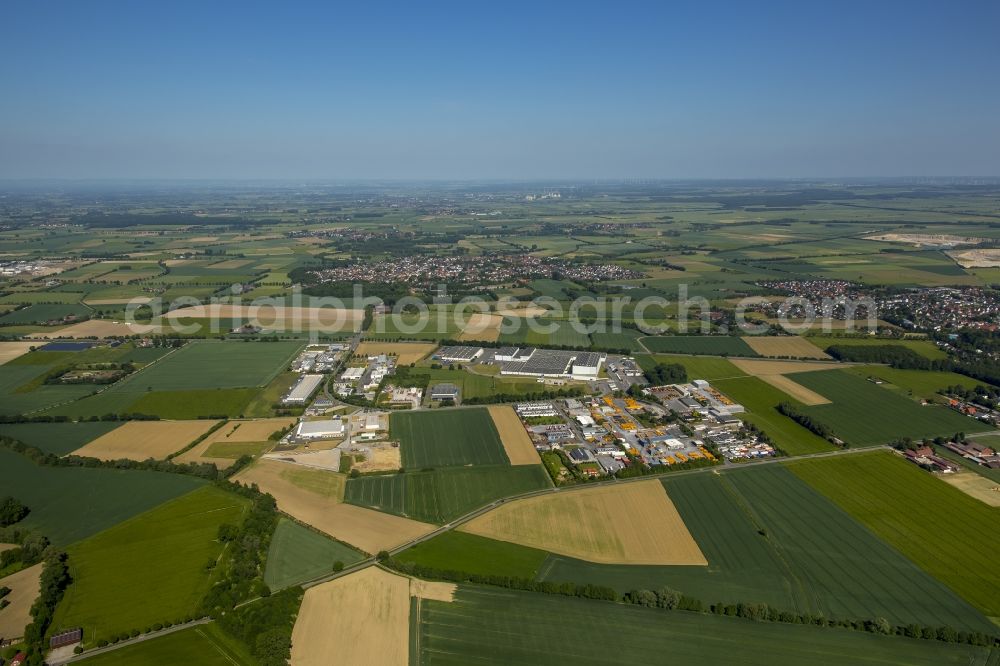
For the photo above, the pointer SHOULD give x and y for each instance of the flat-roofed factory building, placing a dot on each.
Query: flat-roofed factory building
(302, 390)
(323, 429)
(550, 363)
(459, 354)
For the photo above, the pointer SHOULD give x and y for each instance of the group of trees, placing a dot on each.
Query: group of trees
(897, 356)
(510, 582)
(807, 421)
(131, 416)
(247, 546)
(549, 394)
(666, 373)
(11, 511)
(54, 580)
(266, 626)
(40, 457)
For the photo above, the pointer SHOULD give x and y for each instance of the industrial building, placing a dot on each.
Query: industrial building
(459, 354)
(551, 363)
(324, 429)
(588, 365)
(302, 390)
(444, 391)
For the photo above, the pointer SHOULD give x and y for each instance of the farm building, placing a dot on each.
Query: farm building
(323, 429)
(444, 391)
(460, 354)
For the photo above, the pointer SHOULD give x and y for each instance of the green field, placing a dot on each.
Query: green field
(863, 413)
(298, 554)
(544, 332)
(469, 553)
(698, 367)
(57, 438)
(210, 365)
(914, 383)
(709, 345)
(444, 438)
(811, 557)
(627, 338)
(947, 533)
(40, 313)
(925, 348)
(497, 626)
(71, 503)
(200, 379)
(203, 645)
(193, 404)
(148, 569)
(443, 494)
(761, 400)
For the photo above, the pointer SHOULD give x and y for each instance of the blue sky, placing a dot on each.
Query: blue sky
(498, 90)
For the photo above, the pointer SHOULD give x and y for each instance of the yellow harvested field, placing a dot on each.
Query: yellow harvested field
(315, 498)
(425, 589)
(23, 591)
(516, 441)
(519, 309)
(8, 546)
(380, 459)
(791, 387)
(773, 372)
(481, 326)
(784, 345)
(630, 523)
(277, 316)
(11, 350)
(975, 485)
(250, 430)
(139, 440)
(234, 432)
(99, 328)
(407, 352)
(360, 619)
